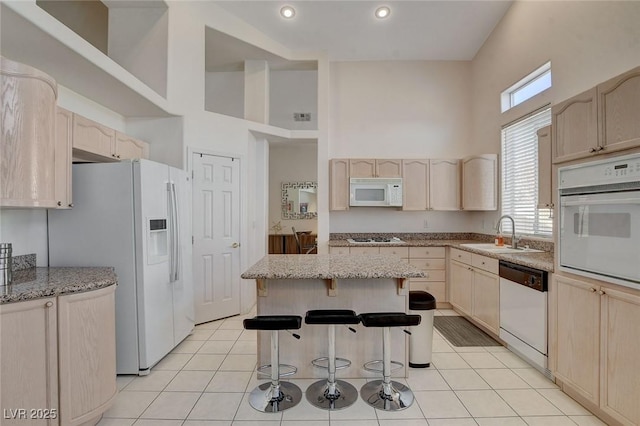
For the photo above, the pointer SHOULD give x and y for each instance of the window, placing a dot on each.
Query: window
(536, 82)
(520, 176)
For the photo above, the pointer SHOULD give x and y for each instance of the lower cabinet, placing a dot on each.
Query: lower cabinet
(474, 287)
(58, 359)
(87, 364)
(598, 345)
(29, 367)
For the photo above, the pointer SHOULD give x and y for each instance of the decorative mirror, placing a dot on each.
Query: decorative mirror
(299, 200)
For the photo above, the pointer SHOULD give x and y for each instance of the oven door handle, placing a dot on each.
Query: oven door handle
(592, 202)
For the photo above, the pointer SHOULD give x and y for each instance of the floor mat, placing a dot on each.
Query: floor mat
(460, 332)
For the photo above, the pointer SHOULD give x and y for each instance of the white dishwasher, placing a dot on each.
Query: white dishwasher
(523, 312)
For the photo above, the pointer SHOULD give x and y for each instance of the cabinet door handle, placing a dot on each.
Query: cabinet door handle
(48, 304)
(483, 263)
(592, 150)
(70, 204)
(592, 290)
(601, 293)
(59, 203)
(601, 148)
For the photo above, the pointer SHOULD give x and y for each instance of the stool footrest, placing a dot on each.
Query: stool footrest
(369, 366)
(265, 370)
(323, 362)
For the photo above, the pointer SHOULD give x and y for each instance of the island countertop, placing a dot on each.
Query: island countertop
(331, 266)
(36, 283)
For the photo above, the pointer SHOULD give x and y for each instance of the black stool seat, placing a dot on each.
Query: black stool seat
(273, 322)
(331, 316)
(389, 319)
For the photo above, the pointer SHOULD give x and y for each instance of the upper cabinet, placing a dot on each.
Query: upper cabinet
(545, 198)
(431, 184)
(64, 140)
(600, 120)
(444, 184)
(95, 142)
(364, 168)
(575, 127)
(480, 182)
(339, 184)
(28, 166)
(415, 184)
(619, 112)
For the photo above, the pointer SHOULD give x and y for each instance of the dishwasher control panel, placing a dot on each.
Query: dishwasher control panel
(523, 275)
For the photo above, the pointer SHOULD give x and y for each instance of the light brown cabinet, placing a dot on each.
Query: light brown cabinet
(59, 354)
(603, 119)
(64, 138)
(474, 287)
(28, 166)
(87, 364)
(339, 184)
(545, 198)
(432, 261)
(619, 112)
(444, 184)
(575, 127)
(29, 367)
(95, 142)
(480, 182)
(415, 184)
(598, 345)
(93, 138)
(363, 168)
(127, 147)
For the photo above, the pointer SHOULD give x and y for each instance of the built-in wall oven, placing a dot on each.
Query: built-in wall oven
(599, 226)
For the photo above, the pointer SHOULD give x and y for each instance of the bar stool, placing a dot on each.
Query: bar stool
(332, 394)
(275, 396)
(386, 394)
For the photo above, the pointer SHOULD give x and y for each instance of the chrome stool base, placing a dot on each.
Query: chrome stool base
(263, 397)
(318, 395)
(400, 396)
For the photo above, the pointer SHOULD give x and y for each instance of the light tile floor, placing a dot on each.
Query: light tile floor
(206, 379)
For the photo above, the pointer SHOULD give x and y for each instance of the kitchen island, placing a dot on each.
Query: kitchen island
(295, 284)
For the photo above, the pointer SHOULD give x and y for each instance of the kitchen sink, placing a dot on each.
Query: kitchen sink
(492, 248)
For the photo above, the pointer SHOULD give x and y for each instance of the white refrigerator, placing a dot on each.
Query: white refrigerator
(136, 217)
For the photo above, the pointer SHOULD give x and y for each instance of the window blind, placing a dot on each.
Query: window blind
(520, 176)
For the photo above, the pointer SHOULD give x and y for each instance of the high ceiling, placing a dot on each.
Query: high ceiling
(348, 30)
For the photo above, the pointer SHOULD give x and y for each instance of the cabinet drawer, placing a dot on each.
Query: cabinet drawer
(365, 250)
(437, 275)
(485, 263)
(339, 250)
(428, 264)
(436, 288)
(402, 252)
(426, 252)
(460, 256)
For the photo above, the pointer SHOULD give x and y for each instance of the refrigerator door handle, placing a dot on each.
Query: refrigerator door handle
(171, 233)
(176, 241)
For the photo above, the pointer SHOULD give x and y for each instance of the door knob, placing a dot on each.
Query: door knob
(235, 245)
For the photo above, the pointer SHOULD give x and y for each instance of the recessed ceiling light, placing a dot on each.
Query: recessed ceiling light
(288, 12)
(383, 12)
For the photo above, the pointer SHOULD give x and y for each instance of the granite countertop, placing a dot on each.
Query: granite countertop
(331, 266)
(543, 261)
(36, 283)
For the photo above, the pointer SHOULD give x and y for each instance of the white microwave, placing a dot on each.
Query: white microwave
(375, 192)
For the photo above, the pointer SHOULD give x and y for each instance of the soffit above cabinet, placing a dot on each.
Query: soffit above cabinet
(73, 62)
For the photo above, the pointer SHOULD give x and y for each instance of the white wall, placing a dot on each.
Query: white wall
(290, 163)
(399, 109)
(293, 91)
(586, 42)
(26, 230)
(224, 93)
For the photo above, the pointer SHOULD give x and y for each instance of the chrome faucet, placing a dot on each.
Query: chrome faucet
(514, 241)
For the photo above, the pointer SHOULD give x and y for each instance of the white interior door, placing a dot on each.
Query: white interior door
(216, 230)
